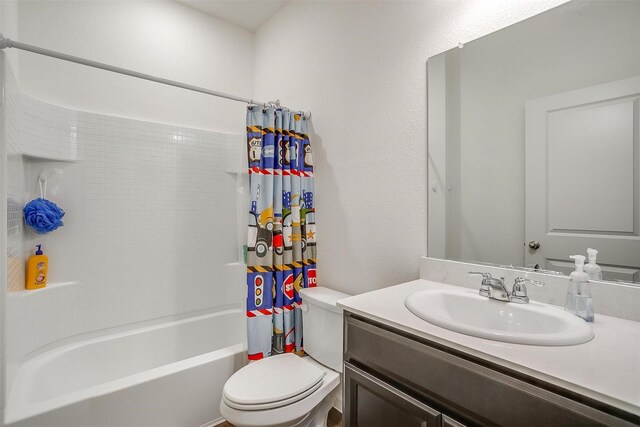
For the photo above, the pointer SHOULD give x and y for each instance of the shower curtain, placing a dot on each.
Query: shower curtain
(281, 245)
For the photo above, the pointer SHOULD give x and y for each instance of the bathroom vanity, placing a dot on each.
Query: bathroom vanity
(401, 370)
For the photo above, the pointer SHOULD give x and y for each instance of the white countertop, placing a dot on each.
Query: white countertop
(607, 368)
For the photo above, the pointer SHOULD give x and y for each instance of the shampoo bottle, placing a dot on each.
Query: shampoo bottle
(37, 270)
(579, 293)
(592, 269)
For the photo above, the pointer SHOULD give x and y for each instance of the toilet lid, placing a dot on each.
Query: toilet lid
(272, 379)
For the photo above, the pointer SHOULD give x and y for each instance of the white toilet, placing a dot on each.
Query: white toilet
(288, 390)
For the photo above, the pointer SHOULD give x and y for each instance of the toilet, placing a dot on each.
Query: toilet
(289, 390)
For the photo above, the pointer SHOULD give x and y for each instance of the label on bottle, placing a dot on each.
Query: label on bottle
(40, 276)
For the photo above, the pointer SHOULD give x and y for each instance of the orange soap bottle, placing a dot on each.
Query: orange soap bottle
(37, 270)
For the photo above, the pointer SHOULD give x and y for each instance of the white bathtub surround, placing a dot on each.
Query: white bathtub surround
(161, 374)
(100, 275)
(609, 298)
(150, 226)
(605, 368)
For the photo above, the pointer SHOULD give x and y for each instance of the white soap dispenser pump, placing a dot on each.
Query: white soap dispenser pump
(579, 293)
(592, 269)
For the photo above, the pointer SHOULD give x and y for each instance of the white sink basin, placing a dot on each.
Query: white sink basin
(469, 313)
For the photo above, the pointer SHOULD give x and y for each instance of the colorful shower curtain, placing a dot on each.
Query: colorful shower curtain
(281, 246)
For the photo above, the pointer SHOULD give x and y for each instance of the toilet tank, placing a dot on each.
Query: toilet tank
(322, 325)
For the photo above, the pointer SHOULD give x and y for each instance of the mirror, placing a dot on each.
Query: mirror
(534, 147)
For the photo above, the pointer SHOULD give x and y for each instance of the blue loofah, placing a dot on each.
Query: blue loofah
(43, 216)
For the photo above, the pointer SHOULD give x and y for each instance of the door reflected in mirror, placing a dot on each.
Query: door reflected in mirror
(534, 146)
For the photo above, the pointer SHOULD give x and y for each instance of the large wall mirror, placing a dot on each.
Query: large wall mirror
(534, 142)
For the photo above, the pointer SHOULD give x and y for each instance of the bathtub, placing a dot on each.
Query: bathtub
(164, 375)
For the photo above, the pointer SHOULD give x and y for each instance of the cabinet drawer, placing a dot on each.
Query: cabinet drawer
(373, 403)
(467, 390)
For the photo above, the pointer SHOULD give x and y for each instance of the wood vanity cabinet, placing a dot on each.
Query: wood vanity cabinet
(392, 378)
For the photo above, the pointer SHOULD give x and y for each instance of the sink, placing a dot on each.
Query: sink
(467, 312)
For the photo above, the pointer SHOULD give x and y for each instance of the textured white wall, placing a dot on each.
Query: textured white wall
(360, 67)
(163, 38)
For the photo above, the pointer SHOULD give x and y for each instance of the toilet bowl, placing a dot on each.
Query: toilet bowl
(289, 390)
(274, 407)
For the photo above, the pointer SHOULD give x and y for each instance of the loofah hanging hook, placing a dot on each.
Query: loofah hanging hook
(42, 180)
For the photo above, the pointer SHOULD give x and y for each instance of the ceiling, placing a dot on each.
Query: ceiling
(248, 14)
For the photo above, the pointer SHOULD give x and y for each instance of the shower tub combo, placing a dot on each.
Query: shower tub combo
(167, 374)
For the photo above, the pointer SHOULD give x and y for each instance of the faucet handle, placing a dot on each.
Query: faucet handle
(519, 292)
(521, 281)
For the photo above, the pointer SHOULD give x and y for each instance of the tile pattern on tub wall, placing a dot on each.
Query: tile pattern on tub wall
(611, 299)
(47, 131)
(150, 229)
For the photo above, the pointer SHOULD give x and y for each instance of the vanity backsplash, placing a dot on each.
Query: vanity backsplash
(611, 299)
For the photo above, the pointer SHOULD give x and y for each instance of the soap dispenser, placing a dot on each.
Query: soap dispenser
(592, 269)
(579, 293)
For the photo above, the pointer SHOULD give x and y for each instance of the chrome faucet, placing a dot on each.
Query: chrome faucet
(519, 292)
(494, 288)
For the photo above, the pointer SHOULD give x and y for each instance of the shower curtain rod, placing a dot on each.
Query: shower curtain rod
(8, 43)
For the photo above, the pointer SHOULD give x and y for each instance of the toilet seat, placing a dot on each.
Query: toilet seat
(272, 405)
(294, 414)
(272, 383)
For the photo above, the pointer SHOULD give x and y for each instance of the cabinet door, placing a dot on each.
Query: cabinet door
(370, 402)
